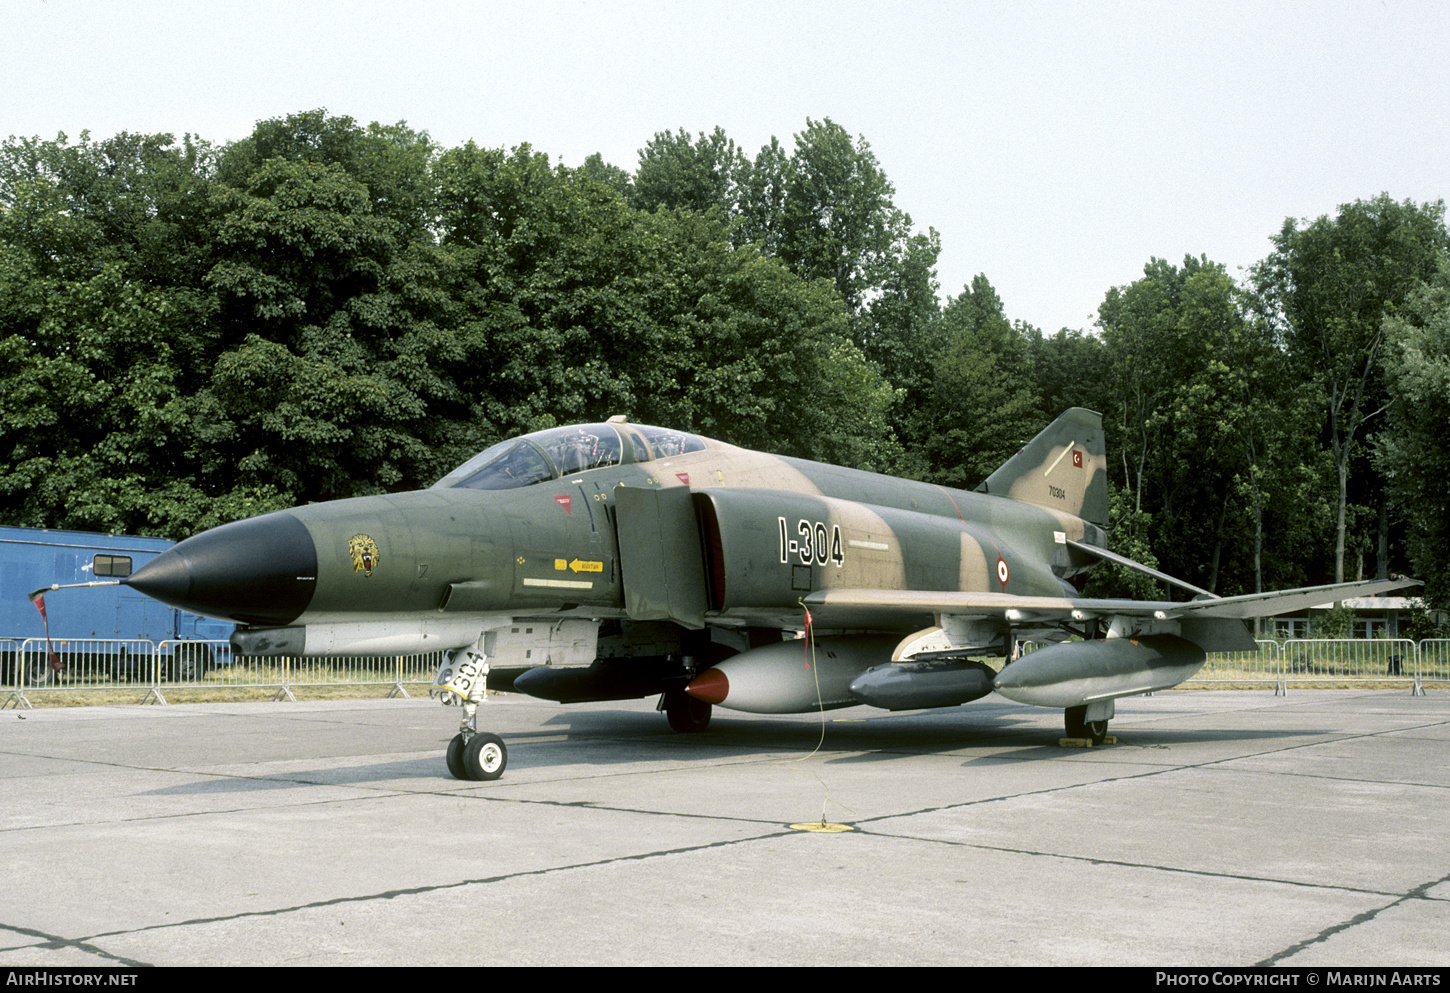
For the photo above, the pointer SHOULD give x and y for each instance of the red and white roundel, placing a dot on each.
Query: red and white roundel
(1002, 572)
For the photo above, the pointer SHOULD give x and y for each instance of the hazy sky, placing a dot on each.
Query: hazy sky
(1055, 146)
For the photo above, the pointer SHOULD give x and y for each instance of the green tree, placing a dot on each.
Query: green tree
(390, 162)
(105, 330)
(768, 361)
(906, 339)
(680, 174)
(1190, 402)
(1413, 447)
(1130, 528)
(555, 291)
(825, 209)
(599, 171)
(762, 196)
(1329, 286)
(1147, 365)
(984, 405)
(1069, 368)
(838, 219)
(325, 383)
(577, 306)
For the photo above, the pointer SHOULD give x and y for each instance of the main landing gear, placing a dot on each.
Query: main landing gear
(1077, 724)
(684, 712)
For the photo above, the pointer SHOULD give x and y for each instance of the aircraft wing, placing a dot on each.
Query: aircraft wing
(828, 605)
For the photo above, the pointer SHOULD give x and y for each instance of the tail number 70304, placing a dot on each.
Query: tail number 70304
(817, 543)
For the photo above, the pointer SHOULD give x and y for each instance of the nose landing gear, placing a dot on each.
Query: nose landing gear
(472, 755)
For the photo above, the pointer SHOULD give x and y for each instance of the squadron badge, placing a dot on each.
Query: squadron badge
(364, 553)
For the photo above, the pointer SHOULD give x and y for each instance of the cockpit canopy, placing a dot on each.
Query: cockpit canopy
(544, 455)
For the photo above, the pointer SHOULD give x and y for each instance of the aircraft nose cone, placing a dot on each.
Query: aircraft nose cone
(711, 686)
(259, 571)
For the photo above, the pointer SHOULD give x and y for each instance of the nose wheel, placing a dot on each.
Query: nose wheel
(478, 758)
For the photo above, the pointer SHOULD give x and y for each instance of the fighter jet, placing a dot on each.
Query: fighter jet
(617, 561)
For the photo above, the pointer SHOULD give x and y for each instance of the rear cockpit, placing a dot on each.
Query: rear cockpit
(556, 452)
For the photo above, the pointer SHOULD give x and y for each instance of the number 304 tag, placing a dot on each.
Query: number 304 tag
(463, 676)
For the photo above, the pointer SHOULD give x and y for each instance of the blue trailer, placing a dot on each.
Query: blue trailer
(34, 558)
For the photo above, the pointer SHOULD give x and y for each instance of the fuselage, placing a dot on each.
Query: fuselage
(532, 527)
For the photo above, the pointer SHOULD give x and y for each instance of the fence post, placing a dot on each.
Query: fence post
(397, 689)
(284, 692)
(155, 692)
(17, 686)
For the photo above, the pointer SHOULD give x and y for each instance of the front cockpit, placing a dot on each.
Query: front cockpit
(557, 452)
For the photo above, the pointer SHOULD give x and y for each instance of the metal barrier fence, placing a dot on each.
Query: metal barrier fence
(1433, 665)
(1326, 662)
(1261, 666)
(284, 673)
(1317, 659)
(94, 662)
(10, 658)
(153, 669)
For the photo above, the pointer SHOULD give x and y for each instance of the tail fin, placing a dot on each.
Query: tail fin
(1064, 468)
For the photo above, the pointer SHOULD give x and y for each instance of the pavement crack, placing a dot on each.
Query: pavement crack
(1420, 892)
(54, 942)
(1149, 866)
(394, 894)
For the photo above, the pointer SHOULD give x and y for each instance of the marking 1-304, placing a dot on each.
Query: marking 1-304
(817, 543)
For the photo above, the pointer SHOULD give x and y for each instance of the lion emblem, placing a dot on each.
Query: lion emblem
(364, 553)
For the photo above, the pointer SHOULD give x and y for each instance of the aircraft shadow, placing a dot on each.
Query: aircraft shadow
(620, 738)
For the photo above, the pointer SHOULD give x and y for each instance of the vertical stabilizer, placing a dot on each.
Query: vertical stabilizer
(1064, 468)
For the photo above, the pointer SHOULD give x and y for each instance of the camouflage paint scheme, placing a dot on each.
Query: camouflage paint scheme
(614, 560)
(553, 548)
